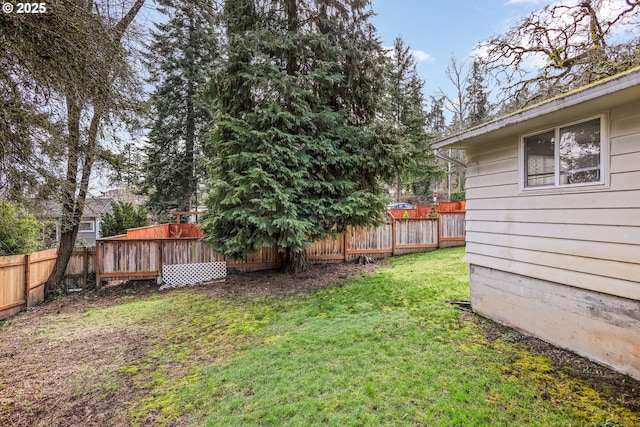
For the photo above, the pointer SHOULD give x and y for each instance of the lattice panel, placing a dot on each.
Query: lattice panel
(178, 275)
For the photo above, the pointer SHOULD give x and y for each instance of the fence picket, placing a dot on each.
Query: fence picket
(22, 277)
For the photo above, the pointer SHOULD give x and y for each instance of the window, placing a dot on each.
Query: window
(540, 156)
(86, 226)
(566, 155)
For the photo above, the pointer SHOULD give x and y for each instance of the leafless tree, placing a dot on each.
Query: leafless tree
(564, 46)
(457, 103)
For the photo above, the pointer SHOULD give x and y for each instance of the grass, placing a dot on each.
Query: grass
(388, 350)
(382, 349)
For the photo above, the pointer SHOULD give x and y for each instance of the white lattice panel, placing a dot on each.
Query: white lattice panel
(177, 275)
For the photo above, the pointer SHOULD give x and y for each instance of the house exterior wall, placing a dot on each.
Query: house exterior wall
(89, 237)
(568, 255)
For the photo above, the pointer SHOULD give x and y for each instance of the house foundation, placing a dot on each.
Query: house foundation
(598, 326)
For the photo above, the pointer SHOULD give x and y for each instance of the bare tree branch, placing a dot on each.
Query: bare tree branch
(561, 47)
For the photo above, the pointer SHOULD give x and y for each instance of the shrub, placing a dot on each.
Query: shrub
(19, 231)
(123, 216)
(459, 196)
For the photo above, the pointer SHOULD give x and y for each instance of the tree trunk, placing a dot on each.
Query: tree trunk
(75, 192)
(295, 262)
(67, 244)
(73, 206)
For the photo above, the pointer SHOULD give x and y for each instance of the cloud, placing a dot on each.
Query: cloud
(419, 55)
(422, 56)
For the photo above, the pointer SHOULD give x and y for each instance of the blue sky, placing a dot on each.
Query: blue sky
(440, 29)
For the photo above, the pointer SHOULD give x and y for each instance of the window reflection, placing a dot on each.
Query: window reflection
(580, 153)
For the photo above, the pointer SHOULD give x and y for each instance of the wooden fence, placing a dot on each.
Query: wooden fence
(451, 229)
(123, 258)
(22, 277)
(142, 252)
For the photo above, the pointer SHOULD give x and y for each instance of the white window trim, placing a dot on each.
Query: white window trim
(604, 158)
(90, 230)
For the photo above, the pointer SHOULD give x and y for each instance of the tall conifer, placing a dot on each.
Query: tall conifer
(405, 120)
(296, 158)
(180, 60)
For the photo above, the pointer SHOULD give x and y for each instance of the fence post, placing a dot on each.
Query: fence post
(98, 262)
(27, 274)
(438, 224)
(393, 235)
(344, 243)
(159, 277)
(85, 267)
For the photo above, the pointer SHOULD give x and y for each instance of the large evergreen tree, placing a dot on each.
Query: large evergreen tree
(295, 155)
(180, 59)
(405, 120)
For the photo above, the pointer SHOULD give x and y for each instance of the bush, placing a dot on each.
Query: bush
(19, 231)
(459, 196)
(123, 217)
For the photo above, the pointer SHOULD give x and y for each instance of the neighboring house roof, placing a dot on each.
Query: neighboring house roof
(616, 90)
(93, 207)
(124, 195)
(97, 206)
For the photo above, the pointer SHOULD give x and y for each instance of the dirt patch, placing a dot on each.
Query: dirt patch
(75, 381)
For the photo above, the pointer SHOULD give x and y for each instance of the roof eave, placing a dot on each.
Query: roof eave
(607, 88)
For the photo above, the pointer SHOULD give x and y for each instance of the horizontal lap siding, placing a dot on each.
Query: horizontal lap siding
(587, 238)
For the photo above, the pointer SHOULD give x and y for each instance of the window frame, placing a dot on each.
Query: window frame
(92, 229)
(557, 184)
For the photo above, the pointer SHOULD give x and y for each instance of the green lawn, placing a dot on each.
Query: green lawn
(383, 349)
(386, 349)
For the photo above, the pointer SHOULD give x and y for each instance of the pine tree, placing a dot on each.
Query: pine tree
(124, 216)
(295, 98)
(180, 58)
(406, 121)
(436, 122)
(477, 96)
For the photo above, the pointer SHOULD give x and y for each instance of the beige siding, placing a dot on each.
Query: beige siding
(586, 237)
(587, 216)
